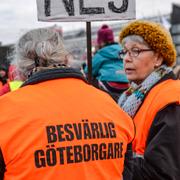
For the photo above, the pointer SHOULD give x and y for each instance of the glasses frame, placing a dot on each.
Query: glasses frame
(132, 53)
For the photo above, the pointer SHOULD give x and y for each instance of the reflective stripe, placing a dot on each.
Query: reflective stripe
(136, 155)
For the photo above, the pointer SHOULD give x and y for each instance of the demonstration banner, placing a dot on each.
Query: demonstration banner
(85, 10)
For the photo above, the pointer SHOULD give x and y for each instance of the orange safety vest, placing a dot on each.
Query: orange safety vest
(159, 97)
(63, 129)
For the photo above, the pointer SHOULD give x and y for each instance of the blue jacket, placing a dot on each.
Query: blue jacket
(106, 65)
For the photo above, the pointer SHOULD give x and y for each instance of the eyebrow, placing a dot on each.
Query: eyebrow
(131, 47)
(136, 46)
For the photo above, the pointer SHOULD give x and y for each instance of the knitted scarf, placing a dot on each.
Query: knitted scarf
(131, 99)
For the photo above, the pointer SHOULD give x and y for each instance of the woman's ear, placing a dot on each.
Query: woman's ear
(69, 59)
(66, 61)
(158, 61)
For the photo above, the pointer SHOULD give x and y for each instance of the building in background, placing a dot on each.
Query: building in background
(175, 29)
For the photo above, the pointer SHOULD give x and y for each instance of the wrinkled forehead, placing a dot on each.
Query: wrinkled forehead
(136, 39)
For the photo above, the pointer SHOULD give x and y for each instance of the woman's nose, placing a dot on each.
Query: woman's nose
(127, 57)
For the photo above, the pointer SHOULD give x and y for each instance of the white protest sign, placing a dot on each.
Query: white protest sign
(85, 10)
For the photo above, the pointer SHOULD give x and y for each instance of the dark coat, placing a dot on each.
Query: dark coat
(161, 158)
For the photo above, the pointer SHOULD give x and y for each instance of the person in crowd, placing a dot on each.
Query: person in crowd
(56, 125)
(3, 75)
(107, 67)
(176, 70)
(13, 82)
(153, 101)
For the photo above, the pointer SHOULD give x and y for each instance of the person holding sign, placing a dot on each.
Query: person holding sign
(57, 126)
(107, 67)
(153, 101)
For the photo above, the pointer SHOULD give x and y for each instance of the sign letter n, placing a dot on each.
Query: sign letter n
(69, 6)
(47, 7)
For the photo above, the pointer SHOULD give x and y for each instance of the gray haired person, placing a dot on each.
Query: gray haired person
(57, 126)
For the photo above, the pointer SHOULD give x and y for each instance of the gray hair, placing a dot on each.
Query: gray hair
(43, 44)
(135, 38)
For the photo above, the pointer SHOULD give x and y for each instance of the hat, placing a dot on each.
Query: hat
(157, 37)
(105, 35)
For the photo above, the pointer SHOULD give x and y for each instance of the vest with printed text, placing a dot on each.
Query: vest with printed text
(63, 129)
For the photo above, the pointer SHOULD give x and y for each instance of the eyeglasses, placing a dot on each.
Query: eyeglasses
(134, 52)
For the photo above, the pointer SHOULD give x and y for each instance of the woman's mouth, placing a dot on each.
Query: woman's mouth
(129, 70)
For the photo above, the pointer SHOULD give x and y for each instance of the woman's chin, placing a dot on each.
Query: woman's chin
(131, 78)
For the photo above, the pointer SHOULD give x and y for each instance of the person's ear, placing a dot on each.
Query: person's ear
(68, 60)
(158, 61)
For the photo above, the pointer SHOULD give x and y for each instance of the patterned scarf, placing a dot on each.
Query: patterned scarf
(131, 99)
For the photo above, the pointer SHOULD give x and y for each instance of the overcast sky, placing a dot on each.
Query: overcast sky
(16, 16)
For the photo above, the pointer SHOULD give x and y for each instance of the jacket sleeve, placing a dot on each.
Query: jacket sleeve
(97, 61)
(161, 158)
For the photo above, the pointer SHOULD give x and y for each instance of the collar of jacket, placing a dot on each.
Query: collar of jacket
(56, 73)
(170, 75)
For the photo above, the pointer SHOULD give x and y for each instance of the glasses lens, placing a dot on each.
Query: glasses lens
(134, 52)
